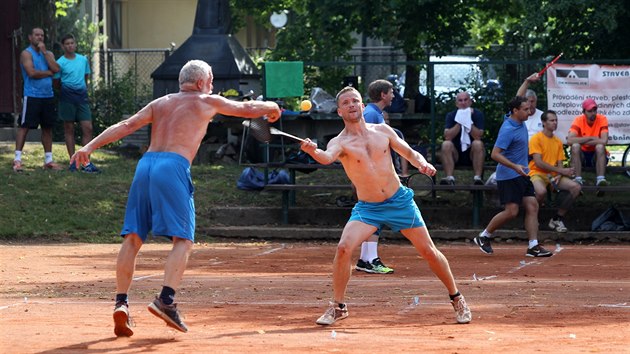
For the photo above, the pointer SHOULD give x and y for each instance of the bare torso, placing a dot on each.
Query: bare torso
(180, 122)
(367, 161)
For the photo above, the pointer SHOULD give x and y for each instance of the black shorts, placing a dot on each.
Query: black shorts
(514, 190)
(38, 111)
(464, 157)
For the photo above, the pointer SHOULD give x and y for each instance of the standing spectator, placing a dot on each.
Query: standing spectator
(588, 137)
(381, 95)
(74, 106)
(38, 66)
(161, 198)
(363, 151)
(515, 188)
(546, 169)
(462, 144)
(533, 122)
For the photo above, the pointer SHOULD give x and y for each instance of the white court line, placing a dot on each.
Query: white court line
(146, 276)
(377, 282)
(282, 302)
(522, 265)
(282, 246)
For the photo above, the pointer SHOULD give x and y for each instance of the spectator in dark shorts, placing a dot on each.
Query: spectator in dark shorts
(462, 144)
(588, 137)
(71, 80)
(38, 66)
(510, 151)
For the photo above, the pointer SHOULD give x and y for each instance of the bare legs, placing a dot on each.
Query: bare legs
(356, 232)
(450, 156)
(68, 132)
(173, 269)
(511, 211)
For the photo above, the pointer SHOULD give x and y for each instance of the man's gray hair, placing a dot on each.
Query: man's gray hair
(194, 71)
(530, 93)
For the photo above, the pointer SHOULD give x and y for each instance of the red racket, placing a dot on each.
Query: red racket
(549, 65)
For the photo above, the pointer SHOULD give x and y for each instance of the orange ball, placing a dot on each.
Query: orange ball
(306, 105)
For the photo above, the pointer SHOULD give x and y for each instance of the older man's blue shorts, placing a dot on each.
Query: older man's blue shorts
(161, 198)
(399, 212)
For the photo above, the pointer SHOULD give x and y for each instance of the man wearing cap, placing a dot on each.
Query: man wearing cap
(588, 137)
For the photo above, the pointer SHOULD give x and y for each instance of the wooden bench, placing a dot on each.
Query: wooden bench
(288, 191)
(477, 191)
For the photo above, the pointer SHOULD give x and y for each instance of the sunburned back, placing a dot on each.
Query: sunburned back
(180, 121)
(368, 163)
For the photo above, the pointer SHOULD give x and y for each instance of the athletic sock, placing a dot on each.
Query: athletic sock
(18, 155)
(454, 296)
(122, 298)
(167, 295)
(370, 252)
(533, 243)
(485, 233)
(48, 158)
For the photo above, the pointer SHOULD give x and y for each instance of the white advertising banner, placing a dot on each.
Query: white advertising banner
(609, 85)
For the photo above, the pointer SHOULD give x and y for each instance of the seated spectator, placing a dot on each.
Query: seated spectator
(588, 137)
(462, 144)
(546, 169)
(533, 122)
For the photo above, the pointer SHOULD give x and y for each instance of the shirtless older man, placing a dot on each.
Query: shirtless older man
(161, 196)
(364, 152)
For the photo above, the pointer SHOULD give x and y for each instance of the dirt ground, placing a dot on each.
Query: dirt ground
(265, 297)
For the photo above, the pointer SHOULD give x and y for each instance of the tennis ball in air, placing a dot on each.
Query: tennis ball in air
(306, 105)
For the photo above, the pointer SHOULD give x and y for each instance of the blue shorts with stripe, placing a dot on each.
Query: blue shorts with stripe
(399, 212)
(161, 198)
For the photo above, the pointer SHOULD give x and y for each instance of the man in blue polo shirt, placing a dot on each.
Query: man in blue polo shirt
(38, 66)
(73, 99)
(511, 152)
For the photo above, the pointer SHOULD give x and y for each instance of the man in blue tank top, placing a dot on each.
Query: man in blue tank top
(38, 109)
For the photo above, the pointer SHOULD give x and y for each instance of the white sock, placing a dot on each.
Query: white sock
(48, 157)
(533, 243)
(364, 251)
(599, 178)
(477, 177)
(578, 178)
(485, 233)
(18, 155)
(369, 251)
(450, 178)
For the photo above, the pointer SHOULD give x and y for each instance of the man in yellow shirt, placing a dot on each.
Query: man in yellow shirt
(546, 169)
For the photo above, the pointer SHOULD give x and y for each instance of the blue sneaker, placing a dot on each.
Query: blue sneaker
(73, 167)
(90, 168)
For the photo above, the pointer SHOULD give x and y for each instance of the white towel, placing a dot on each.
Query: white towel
(464, 118)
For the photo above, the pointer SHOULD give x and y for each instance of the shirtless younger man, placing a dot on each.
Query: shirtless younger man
(161, 196)
(364, 152)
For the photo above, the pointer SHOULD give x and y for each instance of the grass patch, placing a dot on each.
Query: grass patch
(54, 206)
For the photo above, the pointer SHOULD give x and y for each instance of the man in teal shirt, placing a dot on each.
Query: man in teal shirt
(73, 99)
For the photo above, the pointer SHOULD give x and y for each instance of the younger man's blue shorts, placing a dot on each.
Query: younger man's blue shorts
(399, 212)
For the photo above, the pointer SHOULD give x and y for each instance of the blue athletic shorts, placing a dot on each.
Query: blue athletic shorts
(161, 198)
(399, 212)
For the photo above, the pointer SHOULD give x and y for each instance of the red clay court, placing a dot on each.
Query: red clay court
(265, 297)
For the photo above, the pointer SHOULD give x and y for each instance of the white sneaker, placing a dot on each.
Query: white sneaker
(462, 312)
(557, 225)
(333, 314)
